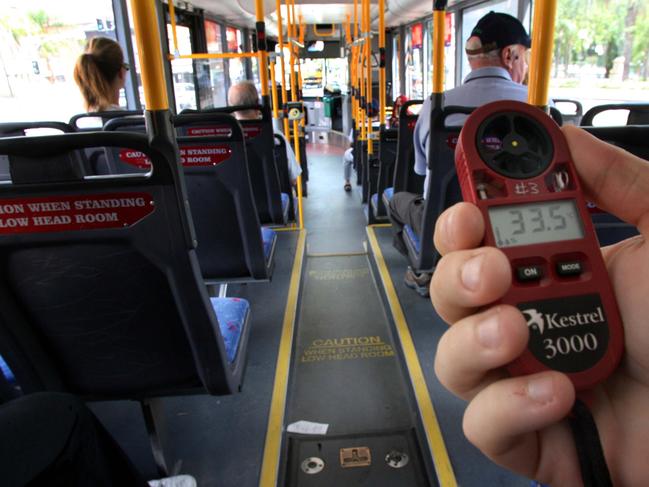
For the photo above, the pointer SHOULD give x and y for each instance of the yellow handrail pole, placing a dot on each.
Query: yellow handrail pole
(296, 127)
(280, 38)
(545, 13)
(357, 115)
(273, 91)
(220, 55)
(262, 51)
(369, 93)
(172, 16)
(300, 81)
(362, 73)
(439, 26)
(148, 45)
(382, 81)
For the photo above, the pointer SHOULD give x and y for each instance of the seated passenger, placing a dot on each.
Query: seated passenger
(51, 438)
(396, 108)
(497, 54)
(100, 73)
(245, 93)
(521, 422)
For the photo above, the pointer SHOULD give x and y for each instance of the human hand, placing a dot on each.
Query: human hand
(518, 422)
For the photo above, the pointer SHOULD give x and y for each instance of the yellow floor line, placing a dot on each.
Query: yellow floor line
(443, 466)
(380, 225)
(272, 446)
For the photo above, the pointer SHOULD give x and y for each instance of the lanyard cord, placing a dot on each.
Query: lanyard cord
(594, 471)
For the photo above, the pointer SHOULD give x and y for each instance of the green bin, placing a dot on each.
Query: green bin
(328, 106)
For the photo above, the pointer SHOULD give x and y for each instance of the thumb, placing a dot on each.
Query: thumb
(612, 178)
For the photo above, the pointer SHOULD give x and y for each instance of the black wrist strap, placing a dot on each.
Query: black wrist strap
(594, 471)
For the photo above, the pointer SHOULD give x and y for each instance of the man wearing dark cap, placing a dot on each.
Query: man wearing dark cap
(497, 54)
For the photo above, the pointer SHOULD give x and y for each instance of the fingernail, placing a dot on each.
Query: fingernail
(489, 334)
(541, 389)
(446, 229)
(471, 272)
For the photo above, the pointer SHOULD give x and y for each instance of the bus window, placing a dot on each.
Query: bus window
(39, 46)
(470, 18)
(182, 69)
(212, 91)
(414, 62)
(236, 68)
(313, 77)
(396, 80)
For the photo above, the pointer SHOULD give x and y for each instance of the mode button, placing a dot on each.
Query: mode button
(569, 268)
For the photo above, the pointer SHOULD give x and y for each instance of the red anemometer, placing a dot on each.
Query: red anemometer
(513, 162)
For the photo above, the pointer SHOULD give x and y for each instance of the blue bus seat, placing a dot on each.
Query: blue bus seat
(388, 139)
(230, 244)
(232, 314)
(260, 147)
(101, 290)
(443, 191)
(387, 197)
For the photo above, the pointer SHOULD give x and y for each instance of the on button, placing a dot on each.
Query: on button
(529, 273)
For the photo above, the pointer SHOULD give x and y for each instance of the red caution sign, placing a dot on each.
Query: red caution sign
(73, 213)
(204, 155)
(220, 131)
(249, 131)
(135, 158)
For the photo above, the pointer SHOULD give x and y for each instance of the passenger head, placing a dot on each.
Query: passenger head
(244, 93)
(100, 73)
(499, 40)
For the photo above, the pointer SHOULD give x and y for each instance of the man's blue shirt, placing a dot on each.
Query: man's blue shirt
(481, 86)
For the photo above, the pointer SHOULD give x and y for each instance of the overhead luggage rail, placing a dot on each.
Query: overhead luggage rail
(638, 113)
(135, 236)
(272, 204)
(232, 245)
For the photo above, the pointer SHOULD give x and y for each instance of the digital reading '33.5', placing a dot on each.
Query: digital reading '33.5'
(513, 162)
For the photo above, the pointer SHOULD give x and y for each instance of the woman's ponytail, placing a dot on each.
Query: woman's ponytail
(96, 71)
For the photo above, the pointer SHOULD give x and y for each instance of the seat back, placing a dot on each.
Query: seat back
(388, 140)
(570, 116)
(405, 177)
(261, 161)
(230, 245)
(100, 286)
(283, 172)
(93, 121)
(17, 129)
(638, 113)
(443, 190)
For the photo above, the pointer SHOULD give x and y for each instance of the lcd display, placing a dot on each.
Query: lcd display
(535, 223)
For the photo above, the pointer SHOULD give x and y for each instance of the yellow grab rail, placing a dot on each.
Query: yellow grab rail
(439, 26)
(147, 36)
(545, 13)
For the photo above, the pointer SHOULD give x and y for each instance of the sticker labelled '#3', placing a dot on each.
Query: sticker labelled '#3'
(568, 334)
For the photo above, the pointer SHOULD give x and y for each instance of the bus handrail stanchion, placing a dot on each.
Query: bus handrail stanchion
(280, 40)
(296, 141)
(382, 81)
(542, 45)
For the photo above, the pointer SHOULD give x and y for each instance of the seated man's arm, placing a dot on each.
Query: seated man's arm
(420, 139)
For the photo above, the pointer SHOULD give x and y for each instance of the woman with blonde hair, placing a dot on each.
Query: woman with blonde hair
(100, 73)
